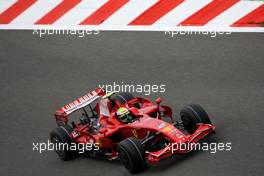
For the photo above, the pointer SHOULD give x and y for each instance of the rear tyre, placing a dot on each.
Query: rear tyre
(132, 155)
(61, 139)
(124, 97)
(193, 114)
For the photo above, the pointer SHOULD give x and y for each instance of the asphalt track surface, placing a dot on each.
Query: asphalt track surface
(224, 74)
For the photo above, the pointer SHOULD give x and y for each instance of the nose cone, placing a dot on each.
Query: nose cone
(158, 125)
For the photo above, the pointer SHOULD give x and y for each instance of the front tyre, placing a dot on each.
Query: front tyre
(132, 155)
(193, 114)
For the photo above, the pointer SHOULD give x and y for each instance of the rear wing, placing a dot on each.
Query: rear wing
(79, 103)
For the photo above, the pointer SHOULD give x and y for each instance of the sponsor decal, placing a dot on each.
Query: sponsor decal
(134, 131)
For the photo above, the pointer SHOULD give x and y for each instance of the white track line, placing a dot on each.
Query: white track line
(129, 12)
(181, 12)
(134, 28)
(35, 12)
(5, 4)
(234, 13)
(80, 12)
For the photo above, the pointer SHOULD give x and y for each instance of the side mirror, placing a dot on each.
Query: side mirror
(158, 100)
(135, 112)
(103, 130)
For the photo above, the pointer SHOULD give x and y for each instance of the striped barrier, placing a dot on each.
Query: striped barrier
(152, 15)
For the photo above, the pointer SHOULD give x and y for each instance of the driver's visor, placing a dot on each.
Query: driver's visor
(124, 117)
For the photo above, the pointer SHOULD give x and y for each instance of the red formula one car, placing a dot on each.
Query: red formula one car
(135, 130)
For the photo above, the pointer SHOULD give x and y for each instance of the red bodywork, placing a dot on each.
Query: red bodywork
(112, 131)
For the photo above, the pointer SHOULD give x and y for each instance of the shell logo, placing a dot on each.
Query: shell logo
(167, 129)
(134, 131)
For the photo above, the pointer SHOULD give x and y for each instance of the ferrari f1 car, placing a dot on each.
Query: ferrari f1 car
(134, 130)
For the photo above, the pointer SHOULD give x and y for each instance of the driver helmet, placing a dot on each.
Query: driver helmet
(123, 115)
